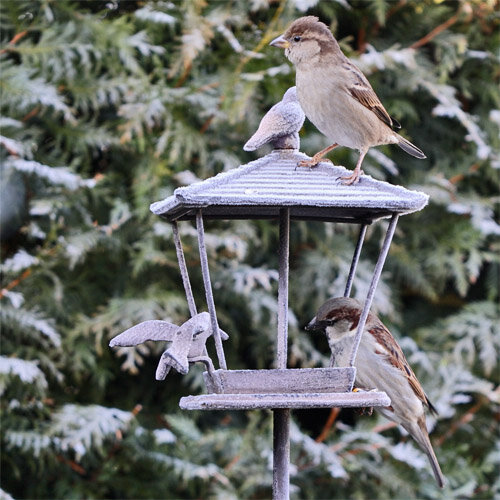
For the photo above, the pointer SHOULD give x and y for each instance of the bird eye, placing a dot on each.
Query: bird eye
(296, 38)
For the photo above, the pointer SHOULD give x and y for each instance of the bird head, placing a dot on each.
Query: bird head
(336, 317)
(306, 39)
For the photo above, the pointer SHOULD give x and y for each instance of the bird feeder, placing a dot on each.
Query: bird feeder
(272, 187)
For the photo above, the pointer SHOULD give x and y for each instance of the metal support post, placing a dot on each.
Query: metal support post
(281, 417)
(373, 285)
(352, 271)
(355, 260)
(208, 290)
(183, 269)
(281, 454)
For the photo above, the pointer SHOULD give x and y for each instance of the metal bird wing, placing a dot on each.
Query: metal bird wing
(147, 330)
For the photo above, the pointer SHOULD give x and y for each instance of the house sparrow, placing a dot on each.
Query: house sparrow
(381, 364)
(280, 125)
(336, 96)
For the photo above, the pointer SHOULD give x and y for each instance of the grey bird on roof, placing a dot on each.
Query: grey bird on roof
(280, 125)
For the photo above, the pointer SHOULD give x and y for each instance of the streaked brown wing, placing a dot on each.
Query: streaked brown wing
(398, 359)
(367, 97)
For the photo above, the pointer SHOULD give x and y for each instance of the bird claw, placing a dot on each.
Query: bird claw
(365, 411)
(313, 162)
(310, 164)
(349, 180)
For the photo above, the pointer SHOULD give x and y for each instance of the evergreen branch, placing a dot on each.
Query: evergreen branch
(455, 179)
(334, 412)
(15, 282)
(269, 34)
(26, 370)
(14, 40)
(30, 114)
(443, 26)
(465, 419)
(384, 427)
(72, 465)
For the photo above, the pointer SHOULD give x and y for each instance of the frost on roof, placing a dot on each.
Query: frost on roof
(260, 188)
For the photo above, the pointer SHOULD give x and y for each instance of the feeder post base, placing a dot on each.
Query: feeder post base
(281, 454)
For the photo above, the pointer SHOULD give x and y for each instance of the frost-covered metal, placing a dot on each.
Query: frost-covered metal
(280, 125)
(272, 187)
(261, 188)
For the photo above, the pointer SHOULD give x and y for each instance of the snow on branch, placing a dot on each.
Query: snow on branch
(27, 371)
(55, 175)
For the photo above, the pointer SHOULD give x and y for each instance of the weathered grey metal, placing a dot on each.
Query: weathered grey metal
(261, 188)
(283, 268)
(373, 285)
(274, 187)
(154, 329)
(183, 269)
(208, 290)
(355, 260)
(280, 125)
(281, 454)
(187, 342)
(288, 400)
(299, 380)
(186, 281)
(281, 417)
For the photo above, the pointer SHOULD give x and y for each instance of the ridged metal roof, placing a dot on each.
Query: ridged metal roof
(259, 189)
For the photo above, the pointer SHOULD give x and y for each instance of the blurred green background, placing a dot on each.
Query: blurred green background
(107, 106)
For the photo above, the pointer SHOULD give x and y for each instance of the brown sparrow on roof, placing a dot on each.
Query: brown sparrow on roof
(381, 364)
(336, 96)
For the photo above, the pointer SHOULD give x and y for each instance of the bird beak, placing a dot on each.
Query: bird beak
(312, 326)
(280, 42)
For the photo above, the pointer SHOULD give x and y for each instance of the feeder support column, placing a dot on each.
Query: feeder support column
(208, 290)
(281, 417)
(373, 285)
(355, 259)
(284, 249)
(183, 270)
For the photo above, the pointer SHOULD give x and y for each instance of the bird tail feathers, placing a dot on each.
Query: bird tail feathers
(410, 148)
(419, 433)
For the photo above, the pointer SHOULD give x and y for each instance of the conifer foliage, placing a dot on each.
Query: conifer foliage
(107, 106)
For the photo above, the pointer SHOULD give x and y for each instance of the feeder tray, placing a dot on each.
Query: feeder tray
(291, 388)
(280, 381)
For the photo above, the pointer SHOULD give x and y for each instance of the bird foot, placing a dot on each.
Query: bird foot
(313, 162)
(349, 180)
(365, 410)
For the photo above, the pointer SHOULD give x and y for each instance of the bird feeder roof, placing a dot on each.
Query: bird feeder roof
(258, 190)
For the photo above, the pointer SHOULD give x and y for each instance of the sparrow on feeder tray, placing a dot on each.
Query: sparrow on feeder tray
(380, 364)
(335, 95)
